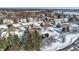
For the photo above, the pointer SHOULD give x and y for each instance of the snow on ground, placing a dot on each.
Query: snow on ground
(69, 39)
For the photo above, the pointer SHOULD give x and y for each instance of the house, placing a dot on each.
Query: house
(8, 21)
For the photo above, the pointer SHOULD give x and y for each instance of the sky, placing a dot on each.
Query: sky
(39, 3)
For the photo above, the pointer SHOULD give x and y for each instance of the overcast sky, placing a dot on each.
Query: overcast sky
(39, 3)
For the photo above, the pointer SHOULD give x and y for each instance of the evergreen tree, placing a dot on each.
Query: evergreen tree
(1, 21)
(33, 41)
(10, 43)
(3, 44)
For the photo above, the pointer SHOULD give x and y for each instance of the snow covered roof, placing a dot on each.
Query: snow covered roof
(3, 26)
(16, 25)
(74, 25)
